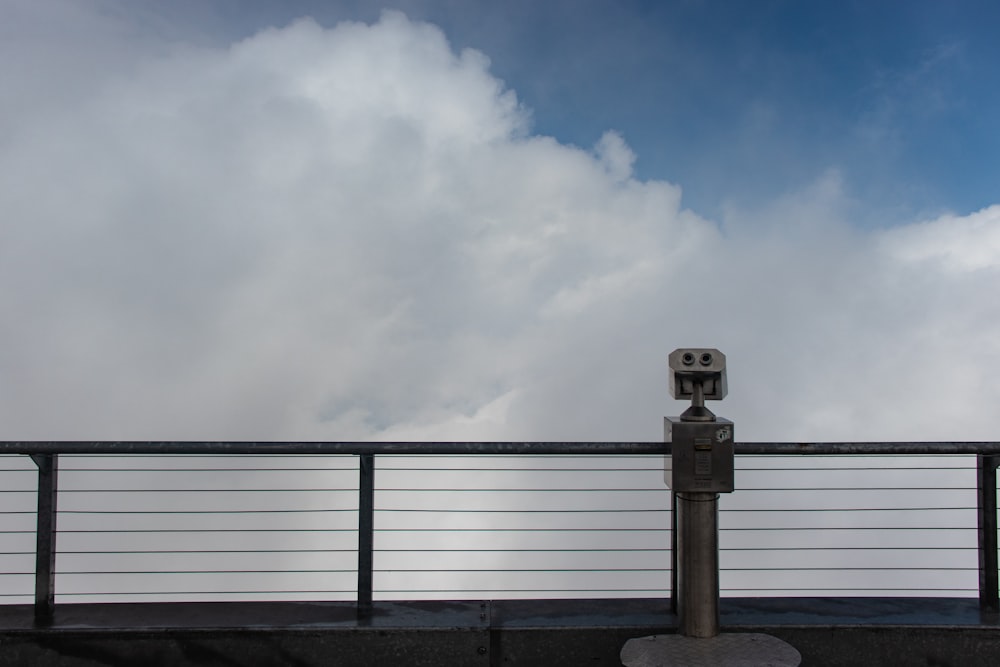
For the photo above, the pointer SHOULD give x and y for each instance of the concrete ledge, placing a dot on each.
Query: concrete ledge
(827, 631)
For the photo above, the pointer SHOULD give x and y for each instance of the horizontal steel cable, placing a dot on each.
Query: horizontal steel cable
(663, 490)
(205, 551)
(522, 590)
(667, 510)
(251, 592)
(519, 550)
(172, 512)
(203, 530)
(229, 490)
(519, 511)
(288, 571)
(823, 528)
(885, 589)
(657, 468)
(171, 470)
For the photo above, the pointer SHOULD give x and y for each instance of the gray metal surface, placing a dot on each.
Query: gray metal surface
(698, 564)
(726, 650)
(486, 448)
(45, 536)
(828, 632)
(986, 511)
(698, 374)
(645, 615)
(701, 458)
(701, 465)
(867, 448)
(366, 532)
(355, 448)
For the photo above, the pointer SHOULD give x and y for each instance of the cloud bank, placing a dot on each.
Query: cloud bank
(352, 233)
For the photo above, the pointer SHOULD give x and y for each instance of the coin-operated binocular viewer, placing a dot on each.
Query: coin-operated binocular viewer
(699, 467)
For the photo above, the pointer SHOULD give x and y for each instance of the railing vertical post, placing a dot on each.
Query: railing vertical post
(986, 505)
(45, 536)
(366, 531)
(673, 552)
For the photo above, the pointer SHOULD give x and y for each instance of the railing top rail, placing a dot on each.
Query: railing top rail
(869, 448)
(483, 448)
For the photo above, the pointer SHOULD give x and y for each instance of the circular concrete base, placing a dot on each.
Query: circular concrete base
(725, 650)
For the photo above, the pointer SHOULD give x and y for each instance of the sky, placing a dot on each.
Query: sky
(493, 221)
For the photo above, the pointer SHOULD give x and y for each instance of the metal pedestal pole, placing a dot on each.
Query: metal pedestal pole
(698, 642)
(698, 562)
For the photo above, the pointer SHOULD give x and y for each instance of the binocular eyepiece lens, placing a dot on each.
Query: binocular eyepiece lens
(687, 359)
(706, 359)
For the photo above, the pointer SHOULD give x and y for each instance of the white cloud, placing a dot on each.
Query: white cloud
(351, 233)
(615, 155)
(950, 243)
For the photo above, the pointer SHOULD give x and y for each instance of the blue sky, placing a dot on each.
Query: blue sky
(746, 100)
(460, 220)
(738, 102)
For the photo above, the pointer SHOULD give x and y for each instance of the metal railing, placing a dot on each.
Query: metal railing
(843, 486)
(846, 526)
